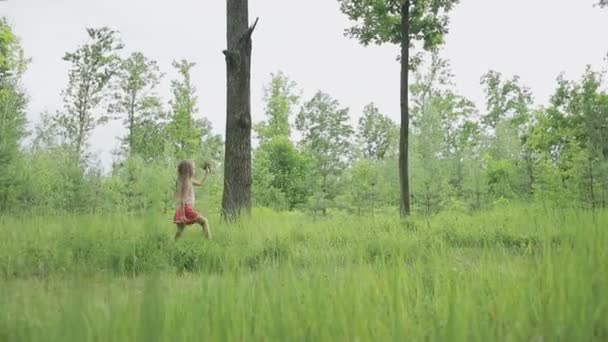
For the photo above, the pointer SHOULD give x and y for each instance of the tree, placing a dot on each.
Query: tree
(280, 173)
(280, 170)
(571, 139)
(429, 82)
(364, 187)
(508, 121)
(429, 163)
(587, 111)
(183, 130)
(12, 60)
(402, 22)
(12, 131)
(460, 130)
(505, 99)
(442, 127)
(149, 139)
(280, 100)
(327, 137)
(237, 159)
(135, 99)
(92, 67)
(470, 186)
(603, 3)
(12, 110)
(376, 132)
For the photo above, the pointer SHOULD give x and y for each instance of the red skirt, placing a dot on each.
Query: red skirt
(186, 215)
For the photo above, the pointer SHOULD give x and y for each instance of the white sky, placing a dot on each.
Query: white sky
(536, 39)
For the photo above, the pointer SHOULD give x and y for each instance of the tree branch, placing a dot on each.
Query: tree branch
(252, 28)
(231, 57)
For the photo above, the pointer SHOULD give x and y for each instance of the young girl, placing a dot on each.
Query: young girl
(185, 213)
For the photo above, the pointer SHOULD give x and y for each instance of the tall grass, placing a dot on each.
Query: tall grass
(511, 274)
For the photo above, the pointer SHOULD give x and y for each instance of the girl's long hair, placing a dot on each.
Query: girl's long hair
(185, 172)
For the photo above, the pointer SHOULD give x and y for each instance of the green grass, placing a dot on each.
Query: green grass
(511, 274)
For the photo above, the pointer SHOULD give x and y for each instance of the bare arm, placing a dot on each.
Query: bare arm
(201, 182)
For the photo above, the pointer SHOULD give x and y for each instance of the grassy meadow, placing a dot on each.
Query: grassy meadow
(510, 274)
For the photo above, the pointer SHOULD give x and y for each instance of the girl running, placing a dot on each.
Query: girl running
(185, 213)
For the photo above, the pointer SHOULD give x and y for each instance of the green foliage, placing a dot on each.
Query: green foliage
(92, 66)
(500, 174)
(184, 133)
(364, 187)
(429, 170)
(446, 139)
(505, 99)
(327, 138)
(462, 160)
(141, 187)
(403, 22)
(149, 139)
(54, 183)
(515, 273)
(12, 131)
(280, 174)
(189, 137)
(136, 102)
(212, 144)
(12, 114)
(377, 134)
(148, 186)
(12, 61)
(508, 122)
(571, 137)
(379, 21)
(280, 171)
(280, 100)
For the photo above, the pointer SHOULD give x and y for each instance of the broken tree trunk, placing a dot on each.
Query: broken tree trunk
(237, 162)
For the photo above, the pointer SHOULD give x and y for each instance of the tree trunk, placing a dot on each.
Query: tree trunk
(404, 181)
(131, 123)
(591, 185)
(373, 203)
(530, 169)
(324, 190)
(237, 161)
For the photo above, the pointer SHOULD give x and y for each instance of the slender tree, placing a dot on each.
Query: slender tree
(280, 100)
(92, 67)
(327, 137)
(376, 133)
(183, 129)
(13, 102)
(135, 99)
(402, 22)
(279, 169)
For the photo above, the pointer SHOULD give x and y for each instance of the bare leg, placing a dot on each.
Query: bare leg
(180, 231)
(205, 225)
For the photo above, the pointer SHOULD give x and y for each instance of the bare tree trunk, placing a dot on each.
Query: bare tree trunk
(131, 123)
(324, 190)
(591, 185)
(373, 200)
(530, 169)
(237, 160)
(405, 115)
(477, 194)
